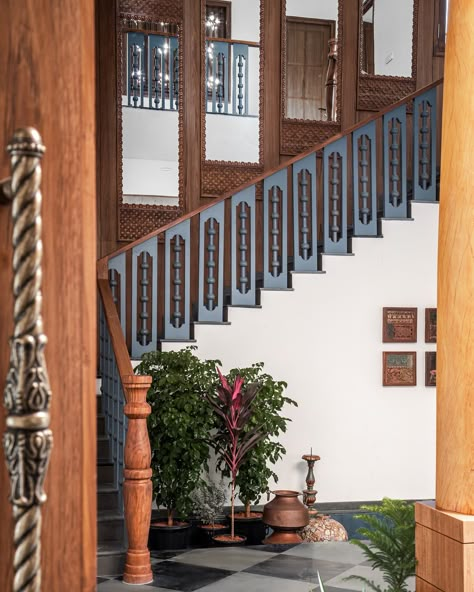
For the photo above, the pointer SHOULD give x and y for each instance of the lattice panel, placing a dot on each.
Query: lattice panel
(298, 135)
(136, 221)
(220, 177)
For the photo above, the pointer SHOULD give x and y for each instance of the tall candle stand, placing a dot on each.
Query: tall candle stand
(309, 494)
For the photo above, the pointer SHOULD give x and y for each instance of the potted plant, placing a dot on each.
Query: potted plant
(233, 405)
(209, 499)
(179, 426)
(256, 471)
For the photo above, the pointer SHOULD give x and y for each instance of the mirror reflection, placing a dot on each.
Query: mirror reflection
(311, 59)
(150, 91)
(232, 36)
(387, 37)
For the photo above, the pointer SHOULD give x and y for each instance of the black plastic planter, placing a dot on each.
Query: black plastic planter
(163, 537)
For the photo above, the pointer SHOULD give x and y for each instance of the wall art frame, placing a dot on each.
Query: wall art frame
(399, 325)
(297, 135)
(399, 368)
(376, 91)
(431, 325)
(135, 220)
(430, 368)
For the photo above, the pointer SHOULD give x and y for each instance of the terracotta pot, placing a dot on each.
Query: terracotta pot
(286, 515)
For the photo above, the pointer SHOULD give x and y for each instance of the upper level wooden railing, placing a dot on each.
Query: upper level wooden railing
(221, 254)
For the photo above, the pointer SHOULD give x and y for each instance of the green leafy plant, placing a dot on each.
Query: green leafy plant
(179, 424)
(232, 404)
(209, 499)
(255, 471)
(390, 546)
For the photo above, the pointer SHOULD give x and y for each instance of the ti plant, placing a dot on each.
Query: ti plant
(390, 546)
(233, 406)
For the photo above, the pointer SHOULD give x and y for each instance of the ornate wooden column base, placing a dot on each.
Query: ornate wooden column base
(444, 550)
(137, 487)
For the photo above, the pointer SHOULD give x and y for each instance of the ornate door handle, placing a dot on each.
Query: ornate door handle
(27, 440)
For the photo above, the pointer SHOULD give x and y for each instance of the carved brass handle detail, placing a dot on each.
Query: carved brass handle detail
(28, 439)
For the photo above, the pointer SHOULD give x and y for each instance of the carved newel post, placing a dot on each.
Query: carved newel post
(137, 488)
(309, 494)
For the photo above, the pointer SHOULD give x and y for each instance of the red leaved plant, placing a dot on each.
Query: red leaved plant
(233, 404)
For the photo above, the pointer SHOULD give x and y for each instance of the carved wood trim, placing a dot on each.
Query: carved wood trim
(218, 177)
(297, 135)
(136, 219)
(375, 91)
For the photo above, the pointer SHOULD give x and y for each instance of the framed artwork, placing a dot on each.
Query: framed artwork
(399, 368)
(431, 325)
(399, 325)
(430, 368)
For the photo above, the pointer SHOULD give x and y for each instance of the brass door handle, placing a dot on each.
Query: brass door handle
(27, 440)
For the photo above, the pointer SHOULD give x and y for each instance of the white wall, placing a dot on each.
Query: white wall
(321, 9)
(150, 152)
(231, 138)
(245, 25)
(393, 34)
(325, 339)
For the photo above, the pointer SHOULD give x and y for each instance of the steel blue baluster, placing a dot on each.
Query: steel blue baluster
(243, 240)
(220, 83)
(364, 180)
(240, 79)
(117, 264)
(424, 148)
(211, 302)
(395, 158)
(275, 271)
(142, 342)
(156, 78)
(335, 202)
(304, 212)
(113, 282)
(177, 323)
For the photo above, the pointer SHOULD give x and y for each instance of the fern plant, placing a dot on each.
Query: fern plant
(390, 546)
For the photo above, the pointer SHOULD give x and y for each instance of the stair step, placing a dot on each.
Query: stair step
(110, 560)
(105, 473)
(103, 448)
(110, 527)
(107, 498)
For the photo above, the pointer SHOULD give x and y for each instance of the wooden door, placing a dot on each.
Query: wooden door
(307, 51)
(47, 62)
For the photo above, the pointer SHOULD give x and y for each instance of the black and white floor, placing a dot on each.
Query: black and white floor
(263, 568)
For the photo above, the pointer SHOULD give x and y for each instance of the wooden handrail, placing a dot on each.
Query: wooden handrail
(102, 263)
(233, 41)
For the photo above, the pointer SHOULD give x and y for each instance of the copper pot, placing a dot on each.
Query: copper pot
(286, 515)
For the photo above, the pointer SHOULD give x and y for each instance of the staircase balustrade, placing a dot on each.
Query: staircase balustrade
(227, 76)
(222, 254)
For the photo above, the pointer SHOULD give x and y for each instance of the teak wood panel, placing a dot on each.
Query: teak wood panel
(47, 56)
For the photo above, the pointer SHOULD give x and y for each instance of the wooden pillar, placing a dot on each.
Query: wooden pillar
(191, 133)
(137, 488)
(272, 83)
(348, 60)
(445, 533)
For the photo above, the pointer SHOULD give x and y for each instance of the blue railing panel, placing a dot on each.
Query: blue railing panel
(395, 163)
(424, 146)
(364, 179)
(211, 260)
(144, 297)
(275, 230)
(335, 197)
(243, 247)
(135, 69)
(113, 402)
(118, 284)
(305, 228)
(240, 79)
(177, 281)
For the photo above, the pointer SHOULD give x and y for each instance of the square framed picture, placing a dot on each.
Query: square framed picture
(399, 325)
(431, 325)
(399, 368)
(430, 368)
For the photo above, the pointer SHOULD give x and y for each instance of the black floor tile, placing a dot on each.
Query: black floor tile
(100, 580)
(299, 568)
(167, 554)
(185, 577)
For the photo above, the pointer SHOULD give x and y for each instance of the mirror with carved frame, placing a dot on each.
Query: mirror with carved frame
(311, 34)
(149, 111)
(231, 81)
